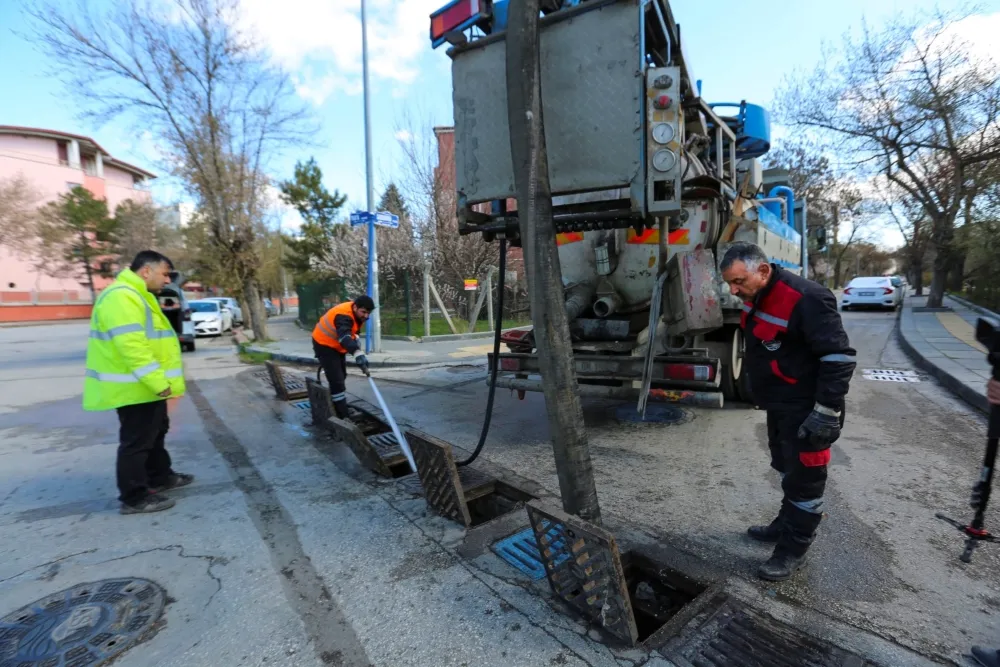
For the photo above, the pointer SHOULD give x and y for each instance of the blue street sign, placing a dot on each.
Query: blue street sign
(359, 218)
(385, 219)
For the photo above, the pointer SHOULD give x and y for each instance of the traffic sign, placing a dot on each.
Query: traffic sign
(471, 285)
(359, 218)
(382, 219)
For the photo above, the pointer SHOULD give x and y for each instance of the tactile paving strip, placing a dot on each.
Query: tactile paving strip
(584, 569)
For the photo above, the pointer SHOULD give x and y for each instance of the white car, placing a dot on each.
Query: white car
(232, 304)
(210, 317)
(873, 292)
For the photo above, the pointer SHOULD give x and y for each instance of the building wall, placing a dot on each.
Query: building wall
(37, 160)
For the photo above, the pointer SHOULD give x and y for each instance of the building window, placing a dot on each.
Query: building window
(70, 186)
(63, 148)
(89, 165)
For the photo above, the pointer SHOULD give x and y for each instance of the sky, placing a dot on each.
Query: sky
(741, 50)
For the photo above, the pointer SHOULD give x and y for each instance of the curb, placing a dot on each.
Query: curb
(311, 361)
(956, 386)
(973, 307)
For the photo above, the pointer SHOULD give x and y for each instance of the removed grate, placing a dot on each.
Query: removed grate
(521, 551)
(632, 597)
(731, 633)
(890, 375)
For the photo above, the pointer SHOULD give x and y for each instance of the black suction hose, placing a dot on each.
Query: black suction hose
(496, 354)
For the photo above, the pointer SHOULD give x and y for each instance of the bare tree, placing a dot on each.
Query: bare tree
(184, 70)
(18, 202)
(429, 185)
(913, 103)
(136, 230)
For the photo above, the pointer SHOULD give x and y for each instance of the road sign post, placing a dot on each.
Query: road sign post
(373, 219)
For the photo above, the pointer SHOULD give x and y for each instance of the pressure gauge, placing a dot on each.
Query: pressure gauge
(663, 133)
(664, 160)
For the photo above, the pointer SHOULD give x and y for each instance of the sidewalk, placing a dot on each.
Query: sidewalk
(293, 345)
(944, 344)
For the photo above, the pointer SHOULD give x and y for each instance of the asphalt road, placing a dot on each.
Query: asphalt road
(882, 563)
(286, 552)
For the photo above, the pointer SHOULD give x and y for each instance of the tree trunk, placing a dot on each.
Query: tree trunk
(541, 259)
(917, 269)
(836, 271)
(942, 235)
(253, 310)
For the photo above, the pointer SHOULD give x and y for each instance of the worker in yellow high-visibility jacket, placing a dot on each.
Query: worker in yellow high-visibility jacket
(133, 366)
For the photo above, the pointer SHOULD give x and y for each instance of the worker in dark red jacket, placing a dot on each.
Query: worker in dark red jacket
(800, 363)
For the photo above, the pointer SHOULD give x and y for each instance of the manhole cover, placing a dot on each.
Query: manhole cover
(86, 625)
(889, 375)
(656, 413)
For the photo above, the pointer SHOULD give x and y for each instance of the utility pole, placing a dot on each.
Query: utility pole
(534, 202)
(373, 339)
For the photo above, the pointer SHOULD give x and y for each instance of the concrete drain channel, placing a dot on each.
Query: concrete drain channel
(89, 624)
(636, 600)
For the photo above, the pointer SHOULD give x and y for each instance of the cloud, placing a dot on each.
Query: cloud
(319, 41)
(403, 135)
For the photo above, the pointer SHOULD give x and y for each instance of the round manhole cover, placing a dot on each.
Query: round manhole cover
(656, 413)
(85, 625)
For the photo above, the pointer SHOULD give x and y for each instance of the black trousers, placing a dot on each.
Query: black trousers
(143, 460)
(803, 468)
(334, 365)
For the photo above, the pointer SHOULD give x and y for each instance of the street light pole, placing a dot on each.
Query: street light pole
(373, 339)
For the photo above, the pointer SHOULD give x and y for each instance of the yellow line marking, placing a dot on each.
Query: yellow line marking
(960, 329)
(472, 351)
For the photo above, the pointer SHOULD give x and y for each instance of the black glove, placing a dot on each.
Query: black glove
(362, 362)
(821, 427)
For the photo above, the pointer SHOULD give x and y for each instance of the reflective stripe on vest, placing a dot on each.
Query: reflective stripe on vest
(151, 332)
(132, 378)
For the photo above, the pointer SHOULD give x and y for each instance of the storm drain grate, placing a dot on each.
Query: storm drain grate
(735, 634)
(521, 551)
(890, 375)
(301, 405)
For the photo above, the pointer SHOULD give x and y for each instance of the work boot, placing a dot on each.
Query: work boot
(151, 503)
(987, 657)
(798, 530)
(174, 480)
(769, 533)
(340, 407)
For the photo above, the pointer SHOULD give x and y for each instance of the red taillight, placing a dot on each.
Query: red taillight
(887, 290)
(452, 16)
(695, 372)
(507, 364)
(847, 290)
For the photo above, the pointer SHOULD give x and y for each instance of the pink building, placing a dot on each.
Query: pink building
(54, 163)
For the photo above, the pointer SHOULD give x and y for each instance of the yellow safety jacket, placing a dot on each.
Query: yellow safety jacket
(132, 353)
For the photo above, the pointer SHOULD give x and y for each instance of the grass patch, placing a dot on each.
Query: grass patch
(395, 325)
(249, 356)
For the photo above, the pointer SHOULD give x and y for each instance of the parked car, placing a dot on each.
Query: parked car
(178, 311)
(270, 308)
(210, 317)
(873, 292)
(232, 304)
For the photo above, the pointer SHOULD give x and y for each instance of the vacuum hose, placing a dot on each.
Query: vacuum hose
(496, 355)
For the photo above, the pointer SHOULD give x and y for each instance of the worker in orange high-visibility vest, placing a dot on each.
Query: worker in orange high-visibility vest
(336, 336)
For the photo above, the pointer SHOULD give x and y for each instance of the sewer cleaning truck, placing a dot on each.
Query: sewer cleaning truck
(650, 185)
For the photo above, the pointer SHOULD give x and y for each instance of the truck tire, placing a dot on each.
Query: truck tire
(735, 381)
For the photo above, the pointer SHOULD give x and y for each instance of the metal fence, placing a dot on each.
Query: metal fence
(317, 298)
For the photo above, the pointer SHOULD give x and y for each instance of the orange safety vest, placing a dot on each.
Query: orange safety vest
(325, 332)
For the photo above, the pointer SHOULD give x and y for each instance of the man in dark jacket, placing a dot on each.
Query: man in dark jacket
(800, 363)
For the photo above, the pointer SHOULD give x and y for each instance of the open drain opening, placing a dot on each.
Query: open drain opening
(657, 593)
(502, 500)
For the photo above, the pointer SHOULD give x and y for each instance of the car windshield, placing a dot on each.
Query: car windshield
(204, 306)
(897, 282)
(869, 282)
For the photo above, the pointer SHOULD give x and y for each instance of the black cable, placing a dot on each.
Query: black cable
(496, 355)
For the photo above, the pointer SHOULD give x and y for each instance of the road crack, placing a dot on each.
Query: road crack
(212, 562)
